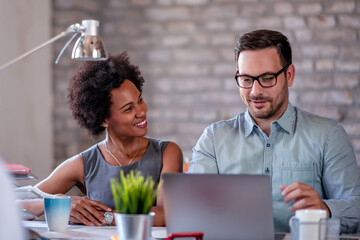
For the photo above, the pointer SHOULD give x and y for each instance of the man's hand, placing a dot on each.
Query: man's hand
(87, 211)
(304, 196)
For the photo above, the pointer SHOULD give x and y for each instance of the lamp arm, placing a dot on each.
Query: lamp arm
(73, 28)
(65, 46)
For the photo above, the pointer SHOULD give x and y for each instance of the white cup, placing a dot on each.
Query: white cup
(305, 224)
(57, 212)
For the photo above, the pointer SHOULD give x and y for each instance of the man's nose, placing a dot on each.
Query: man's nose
(256, 88)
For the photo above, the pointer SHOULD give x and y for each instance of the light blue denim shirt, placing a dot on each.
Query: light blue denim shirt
(302, 147)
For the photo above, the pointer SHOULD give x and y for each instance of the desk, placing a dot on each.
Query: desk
(82, 232)
(104, 232)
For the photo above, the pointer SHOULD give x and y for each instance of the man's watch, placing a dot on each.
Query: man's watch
(109, 217)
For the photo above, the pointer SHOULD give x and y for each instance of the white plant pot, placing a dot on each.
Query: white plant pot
(134, 226)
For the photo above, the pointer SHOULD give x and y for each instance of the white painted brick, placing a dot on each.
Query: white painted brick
(185, 52)
(324, 65)
(353, 112)
(240, 24)
(195, 84)
(162, 56)
(352, 129)
(224, 69)
(303, 35)
(201, 39)
(228, 55)
(193, 128)
(112, 3)
(347, 81)
(181, 27)
(350, 51)
(204, 115)
(223, 40)
(162, 127)
(164, 85)
(163, 2)
(348, 66)
(321, 22)
(230, 84)
(283, 8)
(341, 7)
(302, 66)
(191, 2)
(309, 8)
(166, 14)
(175, 41)
(194, 55)
(339, 98)
(294, 22)
(312, 81)
(91, 6)
(219, 98)
(176, 114)
(189, 70)
(349, 21)
(216, 25)
(160, 99)
(321, 50)
(140, 42)
(268, 22)
(249, 10)
(221, 11)
(142, 3)
(336, 34)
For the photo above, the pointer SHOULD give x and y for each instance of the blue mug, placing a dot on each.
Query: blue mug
(57, 212)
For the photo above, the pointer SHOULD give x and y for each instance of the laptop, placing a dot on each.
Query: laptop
(223, 207)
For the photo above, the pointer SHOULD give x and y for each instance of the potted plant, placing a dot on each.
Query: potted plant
(134, 195)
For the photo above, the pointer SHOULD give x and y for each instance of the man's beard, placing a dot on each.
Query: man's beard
(273, 109)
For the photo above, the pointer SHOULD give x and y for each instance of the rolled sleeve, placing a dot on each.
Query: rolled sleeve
(341, 180)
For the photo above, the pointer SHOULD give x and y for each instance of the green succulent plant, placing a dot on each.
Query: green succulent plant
(133, 193)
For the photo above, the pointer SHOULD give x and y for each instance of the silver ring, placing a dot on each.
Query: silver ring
(109, 217)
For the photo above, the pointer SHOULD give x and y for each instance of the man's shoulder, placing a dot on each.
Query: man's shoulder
(312, 119)
(231, 123)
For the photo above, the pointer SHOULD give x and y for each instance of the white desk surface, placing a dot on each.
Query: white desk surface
(83, 232)
(102, 233)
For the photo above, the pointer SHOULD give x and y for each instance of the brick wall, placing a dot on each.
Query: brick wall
(185, 51)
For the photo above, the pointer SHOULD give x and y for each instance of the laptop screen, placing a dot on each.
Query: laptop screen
(221, 206)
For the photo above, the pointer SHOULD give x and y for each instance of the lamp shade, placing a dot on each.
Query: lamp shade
(89, 46)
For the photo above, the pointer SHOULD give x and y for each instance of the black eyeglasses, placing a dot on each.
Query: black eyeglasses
(266, 80)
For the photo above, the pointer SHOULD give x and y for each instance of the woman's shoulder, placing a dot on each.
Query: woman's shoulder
(90, 152)
(158, 144)
(163, 145)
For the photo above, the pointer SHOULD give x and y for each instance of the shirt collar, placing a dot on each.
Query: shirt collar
(287, 120)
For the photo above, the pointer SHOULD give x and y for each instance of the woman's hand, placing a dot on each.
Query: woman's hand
(87, 211)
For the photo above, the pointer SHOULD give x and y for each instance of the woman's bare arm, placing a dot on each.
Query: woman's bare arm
(172, 162)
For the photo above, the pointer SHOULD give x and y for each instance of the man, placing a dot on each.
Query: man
(309, 159)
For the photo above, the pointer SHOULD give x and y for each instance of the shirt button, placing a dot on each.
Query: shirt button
(267, 171)
(268, 144)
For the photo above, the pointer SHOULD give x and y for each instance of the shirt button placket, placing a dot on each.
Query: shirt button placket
(268, 156)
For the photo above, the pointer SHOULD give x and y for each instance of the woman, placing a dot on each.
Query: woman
(106, 96)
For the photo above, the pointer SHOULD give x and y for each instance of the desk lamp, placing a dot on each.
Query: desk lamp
(88, 47)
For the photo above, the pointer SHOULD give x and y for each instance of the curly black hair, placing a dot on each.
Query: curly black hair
(89, 90)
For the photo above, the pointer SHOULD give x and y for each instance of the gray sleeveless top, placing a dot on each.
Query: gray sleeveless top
(98, 172)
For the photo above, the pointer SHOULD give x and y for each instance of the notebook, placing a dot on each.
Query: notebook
(221, 206)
